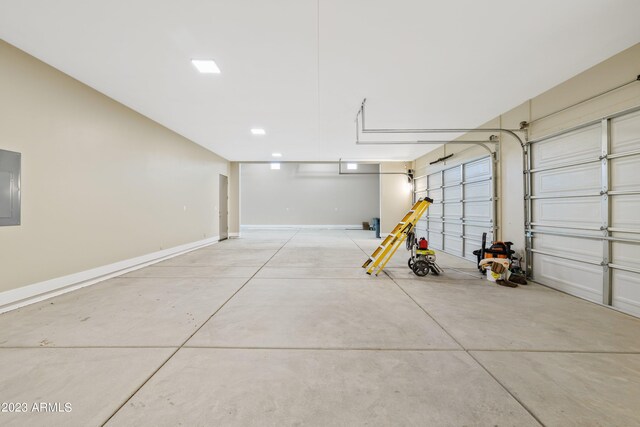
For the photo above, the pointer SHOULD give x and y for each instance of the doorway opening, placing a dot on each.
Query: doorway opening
(223, 212)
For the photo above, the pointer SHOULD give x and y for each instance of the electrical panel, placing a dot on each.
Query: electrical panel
(9, 188)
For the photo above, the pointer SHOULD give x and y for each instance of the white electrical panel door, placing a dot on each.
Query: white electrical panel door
(10, 164)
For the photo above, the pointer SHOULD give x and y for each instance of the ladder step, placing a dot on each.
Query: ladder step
(392, 242)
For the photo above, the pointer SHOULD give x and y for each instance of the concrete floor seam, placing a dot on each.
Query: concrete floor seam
(535, 357)
(191, 336)
(407, 294)
(464, 349)
(470, 355)
(476, 350)
(324, 348)
(506, 389)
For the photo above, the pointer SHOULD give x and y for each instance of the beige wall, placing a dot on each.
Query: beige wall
(611, 73)
(395, 195)
(100, 182)
(308, 194)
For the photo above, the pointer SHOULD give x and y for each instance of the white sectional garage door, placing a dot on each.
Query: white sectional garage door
(462, 208)
(585, 212)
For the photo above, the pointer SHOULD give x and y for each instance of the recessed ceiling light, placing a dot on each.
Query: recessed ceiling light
(206, 66)
(276, 154)
(258, 131)
(275, 165)
(352, 166)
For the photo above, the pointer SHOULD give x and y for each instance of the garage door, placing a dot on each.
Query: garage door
(584, 222)
(463, 207)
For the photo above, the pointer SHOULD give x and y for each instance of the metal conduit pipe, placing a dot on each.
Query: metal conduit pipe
(637, 79)
(477, 143)
(363, 129)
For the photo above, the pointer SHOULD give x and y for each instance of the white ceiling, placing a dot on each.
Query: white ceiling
(300, 68)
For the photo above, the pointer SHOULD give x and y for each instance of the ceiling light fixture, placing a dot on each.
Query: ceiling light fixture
(275, 166)
(206, 66)
(352, 166)
(276, 154)
(258, 131)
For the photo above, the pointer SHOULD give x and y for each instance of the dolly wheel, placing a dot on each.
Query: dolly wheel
(421, 268)
(410, 263)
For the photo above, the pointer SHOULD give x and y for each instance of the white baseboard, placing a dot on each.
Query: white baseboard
(234, 234)
(305, 227)
(16, 298)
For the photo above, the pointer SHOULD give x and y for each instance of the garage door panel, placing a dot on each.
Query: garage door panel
(478, 191)
(626, 291)
(478, 211)
(435, 195)
(477, 170)
(453, 193)
(625, 174)
(582, 144)
(452, 176)
(423, 224)
(477, 205)
(453, 245)
(626, 254)
(475, 232)
(625, 133)
(435, 210)
(582, 179)
(435, 240)
(453, 210)
(587, 249)
(625, 211)
(435, 180)
(453, 228)
(421, 231)
(435, 226)
(584, 212)
(471, 245)
(576, 278)
(420, 183)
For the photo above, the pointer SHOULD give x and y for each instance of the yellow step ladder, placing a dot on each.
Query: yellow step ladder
(383, 254)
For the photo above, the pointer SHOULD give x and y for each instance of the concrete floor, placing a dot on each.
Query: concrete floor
(285, 328)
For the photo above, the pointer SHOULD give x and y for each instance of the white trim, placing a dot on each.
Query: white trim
(16, 298)
(234, 234)
(310, 227)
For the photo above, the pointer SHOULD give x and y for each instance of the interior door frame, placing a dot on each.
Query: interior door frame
(223, 210)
